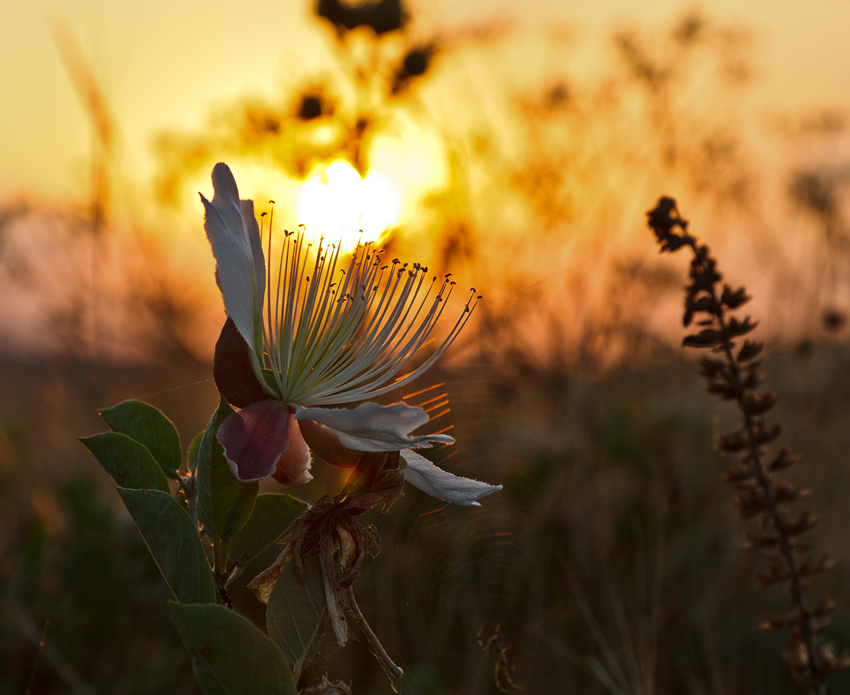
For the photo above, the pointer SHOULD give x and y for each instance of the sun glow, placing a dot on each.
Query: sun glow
(338, 204)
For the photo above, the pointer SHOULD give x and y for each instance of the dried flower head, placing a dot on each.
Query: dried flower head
(733, 374)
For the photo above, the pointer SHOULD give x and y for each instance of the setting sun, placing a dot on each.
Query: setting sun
(337, 203)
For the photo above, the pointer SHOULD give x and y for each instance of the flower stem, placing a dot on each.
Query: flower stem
(217, 560)
(220, 571)
(388, 664)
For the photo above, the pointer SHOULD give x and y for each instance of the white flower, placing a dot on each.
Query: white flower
(311, 330)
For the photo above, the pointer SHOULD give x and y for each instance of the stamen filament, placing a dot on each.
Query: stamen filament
(341, 341)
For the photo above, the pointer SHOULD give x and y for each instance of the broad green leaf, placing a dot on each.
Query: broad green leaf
(295, 612)
(129, 463)
(174, 542)
(224, 504)
(273, 512)
(229, 655)
(150, 427)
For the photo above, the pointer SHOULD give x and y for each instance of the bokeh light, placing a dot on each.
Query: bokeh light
(338, 204)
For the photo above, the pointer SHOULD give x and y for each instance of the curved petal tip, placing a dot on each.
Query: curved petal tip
(441, 484)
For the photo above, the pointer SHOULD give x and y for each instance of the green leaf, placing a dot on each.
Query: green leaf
(174, 542)
(224, 504)
(150, 427)
(273, 512)
(129, 463)
(229, 655)
(294, 612)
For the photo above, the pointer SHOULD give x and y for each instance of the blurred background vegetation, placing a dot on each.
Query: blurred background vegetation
(522, 160)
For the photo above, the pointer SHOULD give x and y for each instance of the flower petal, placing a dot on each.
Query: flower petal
(373, 427)
(254, 439)
(324, 443)
(240, 269)
(233, 371)
(293, 466)
(442, 484)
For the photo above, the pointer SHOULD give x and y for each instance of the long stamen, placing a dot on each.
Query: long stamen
(321, 317)
(317, 329)
(292, 289)
(367, 392)
(386, 367)
(269, 336)
(345, 321)
(310, 305)
(367, 349)
(282, 276)
(341, 340)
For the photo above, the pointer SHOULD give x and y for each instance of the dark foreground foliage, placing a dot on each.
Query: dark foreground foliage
(612, 555)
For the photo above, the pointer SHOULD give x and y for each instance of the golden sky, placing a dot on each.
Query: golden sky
(163, 63)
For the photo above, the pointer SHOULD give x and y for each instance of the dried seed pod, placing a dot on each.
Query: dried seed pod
(755, 542)
(710, 368)
(825, 608)
(749, 503)
(753, 378)
(734, 441)
(733, 300)
(727, 393)
(738, 474)
(759, 404)
(780, 623)
(707, 337)
(783, 460)
(749, 350)
(806, 521)
(785, 492)
(737, 328)
(764, 436)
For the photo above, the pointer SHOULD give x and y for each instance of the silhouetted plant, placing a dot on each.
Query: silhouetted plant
(343, 342)
(733, 374)
(335, 117)
(381, 17)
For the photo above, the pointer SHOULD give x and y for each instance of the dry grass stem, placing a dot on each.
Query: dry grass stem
(732, 372)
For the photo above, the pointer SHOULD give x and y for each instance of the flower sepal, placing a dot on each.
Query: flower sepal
(234, 370)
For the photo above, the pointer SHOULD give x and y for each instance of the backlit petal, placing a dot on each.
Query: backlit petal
(373, 427)
(240, 270)
(441, 484)
(255, 438)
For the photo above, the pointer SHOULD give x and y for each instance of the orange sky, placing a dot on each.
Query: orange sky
(163, 64)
